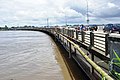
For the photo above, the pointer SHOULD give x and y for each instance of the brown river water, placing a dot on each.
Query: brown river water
(28, 55)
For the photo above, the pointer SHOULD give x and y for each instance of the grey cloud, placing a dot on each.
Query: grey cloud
(100, 9)
(79, 10)
(79, 6)
(35, 19)
(108, 12)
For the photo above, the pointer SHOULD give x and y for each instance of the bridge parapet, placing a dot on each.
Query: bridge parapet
(95, 40)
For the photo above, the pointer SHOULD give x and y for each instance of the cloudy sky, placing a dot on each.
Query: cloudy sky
(36, 12)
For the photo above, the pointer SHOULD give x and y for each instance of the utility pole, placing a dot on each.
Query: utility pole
(47, 22)
(87, 13)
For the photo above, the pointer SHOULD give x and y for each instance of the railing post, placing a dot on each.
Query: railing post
(76, 35)
(60, 31)
(56, 37)
(106, 44)
(50, 30)
(72, 33)
(70, 50)
(91, 39)
(63, 41)
(59, 38)
(67, 44)
(63, 31)
(75, 51)
(83, 36)
(68, 32)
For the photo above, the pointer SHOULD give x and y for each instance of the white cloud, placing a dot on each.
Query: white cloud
(111, 5)
(35, 12)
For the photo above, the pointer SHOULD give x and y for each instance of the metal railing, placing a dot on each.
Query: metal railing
(94, 65)
(71, 46)
(92, 39)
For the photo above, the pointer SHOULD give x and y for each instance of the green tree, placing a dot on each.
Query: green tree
(6, 28)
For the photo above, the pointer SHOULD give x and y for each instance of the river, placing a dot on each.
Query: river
(28, 55)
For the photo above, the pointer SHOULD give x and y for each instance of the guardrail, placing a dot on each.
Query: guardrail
(95, 66)
(92, 39)
(74, 48)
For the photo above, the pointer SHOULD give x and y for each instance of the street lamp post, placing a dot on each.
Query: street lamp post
(87, 13)
(47, 22)
(65, 19)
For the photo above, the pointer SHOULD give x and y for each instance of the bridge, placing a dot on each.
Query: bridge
(89, 50)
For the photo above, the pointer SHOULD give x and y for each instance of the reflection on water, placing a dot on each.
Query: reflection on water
(27, 55)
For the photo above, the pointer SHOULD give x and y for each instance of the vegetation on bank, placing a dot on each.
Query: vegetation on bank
(14, 28)
(4, 28)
